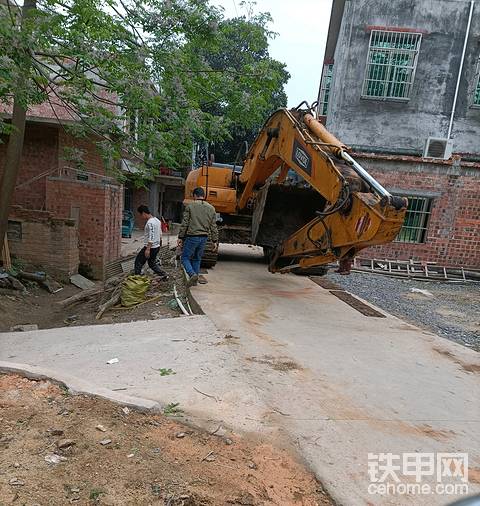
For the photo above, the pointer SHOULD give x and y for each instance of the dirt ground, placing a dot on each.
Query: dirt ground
(37, 306)
(40, 308)
(109, 455)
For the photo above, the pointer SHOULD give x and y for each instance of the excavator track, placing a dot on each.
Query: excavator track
(210, 256)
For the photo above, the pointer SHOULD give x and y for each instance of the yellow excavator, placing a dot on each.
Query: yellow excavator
(300, 195)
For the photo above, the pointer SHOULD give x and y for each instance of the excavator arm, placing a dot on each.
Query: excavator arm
(333, 210)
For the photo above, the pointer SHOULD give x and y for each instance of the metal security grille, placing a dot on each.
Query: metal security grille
(325, 86)
(476, 93)
(391, 64)
(416, 220)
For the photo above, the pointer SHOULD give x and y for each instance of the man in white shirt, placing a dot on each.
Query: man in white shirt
(152, 242)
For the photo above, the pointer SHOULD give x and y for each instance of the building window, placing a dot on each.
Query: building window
(476, 91)
(14, 230)
(325, 86)
(128, 199)
(391, 64)
(131, 123)
(416, 220)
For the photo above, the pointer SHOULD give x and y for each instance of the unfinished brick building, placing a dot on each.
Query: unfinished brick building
(401, 86)
(62, 216)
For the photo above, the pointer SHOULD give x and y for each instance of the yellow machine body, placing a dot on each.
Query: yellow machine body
(216, 183)
(333, 210)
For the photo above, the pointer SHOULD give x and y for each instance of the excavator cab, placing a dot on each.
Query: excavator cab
(216, 180)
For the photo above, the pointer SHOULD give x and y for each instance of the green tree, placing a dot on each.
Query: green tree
(143, 78)
(254, 86)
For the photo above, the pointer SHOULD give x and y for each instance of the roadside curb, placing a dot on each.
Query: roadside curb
(78, 386)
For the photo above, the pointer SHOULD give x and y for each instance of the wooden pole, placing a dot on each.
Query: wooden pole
(7, 261)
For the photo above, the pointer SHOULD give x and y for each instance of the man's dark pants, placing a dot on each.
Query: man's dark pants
(141, 259)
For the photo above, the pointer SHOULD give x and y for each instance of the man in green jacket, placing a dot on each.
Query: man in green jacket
(198, 225)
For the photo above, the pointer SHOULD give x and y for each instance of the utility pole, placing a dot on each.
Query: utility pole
(16, 137)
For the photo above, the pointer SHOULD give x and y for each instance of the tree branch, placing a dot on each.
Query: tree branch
(51, 105)
(69, 71)
(12, 18)
(77, 117)
(132, 26)
(53, 81)
(57, 74)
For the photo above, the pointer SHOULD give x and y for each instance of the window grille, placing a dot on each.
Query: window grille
(414, 227)
(391, 64)
(325, 86)
(476, 91)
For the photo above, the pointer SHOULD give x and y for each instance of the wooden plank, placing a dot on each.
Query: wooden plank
(7, 260)
(84, 294)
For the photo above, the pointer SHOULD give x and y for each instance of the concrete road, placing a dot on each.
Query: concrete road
(289, 361)
(340, 384)
(204, 380)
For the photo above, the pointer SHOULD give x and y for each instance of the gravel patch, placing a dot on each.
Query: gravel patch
(453, 310)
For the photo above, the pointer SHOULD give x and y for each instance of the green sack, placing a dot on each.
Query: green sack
(134, 289)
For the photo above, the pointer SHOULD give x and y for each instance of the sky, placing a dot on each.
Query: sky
(302, 27)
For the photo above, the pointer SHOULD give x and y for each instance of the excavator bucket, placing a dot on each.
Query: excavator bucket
(281, 210)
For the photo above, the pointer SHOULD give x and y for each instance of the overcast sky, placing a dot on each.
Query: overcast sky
(302, 27)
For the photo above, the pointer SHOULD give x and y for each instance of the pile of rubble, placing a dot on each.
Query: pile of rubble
(23, 307)
(111, 293)
(17, 280)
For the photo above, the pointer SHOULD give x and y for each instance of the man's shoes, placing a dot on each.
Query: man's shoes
(202, 280)
(162, 275)
(193, 280)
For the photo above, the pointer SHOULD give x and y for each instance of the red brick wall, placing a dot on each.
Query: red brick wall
(99, 208)
(99, 204)
(113, 222)
(92, 160)
(47, 242)
(43, 151)
(40, 154)
(453, 234)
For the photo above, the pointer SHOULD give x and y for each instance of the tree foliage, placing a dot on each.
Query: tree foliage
(254, 87)
(146, 78)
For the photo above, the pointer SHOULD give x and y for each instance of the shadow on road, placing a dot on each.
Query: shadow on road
(240, 253)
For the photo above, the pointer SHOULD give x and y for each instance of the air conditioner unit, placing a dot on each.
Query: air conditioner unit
(438, 148)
